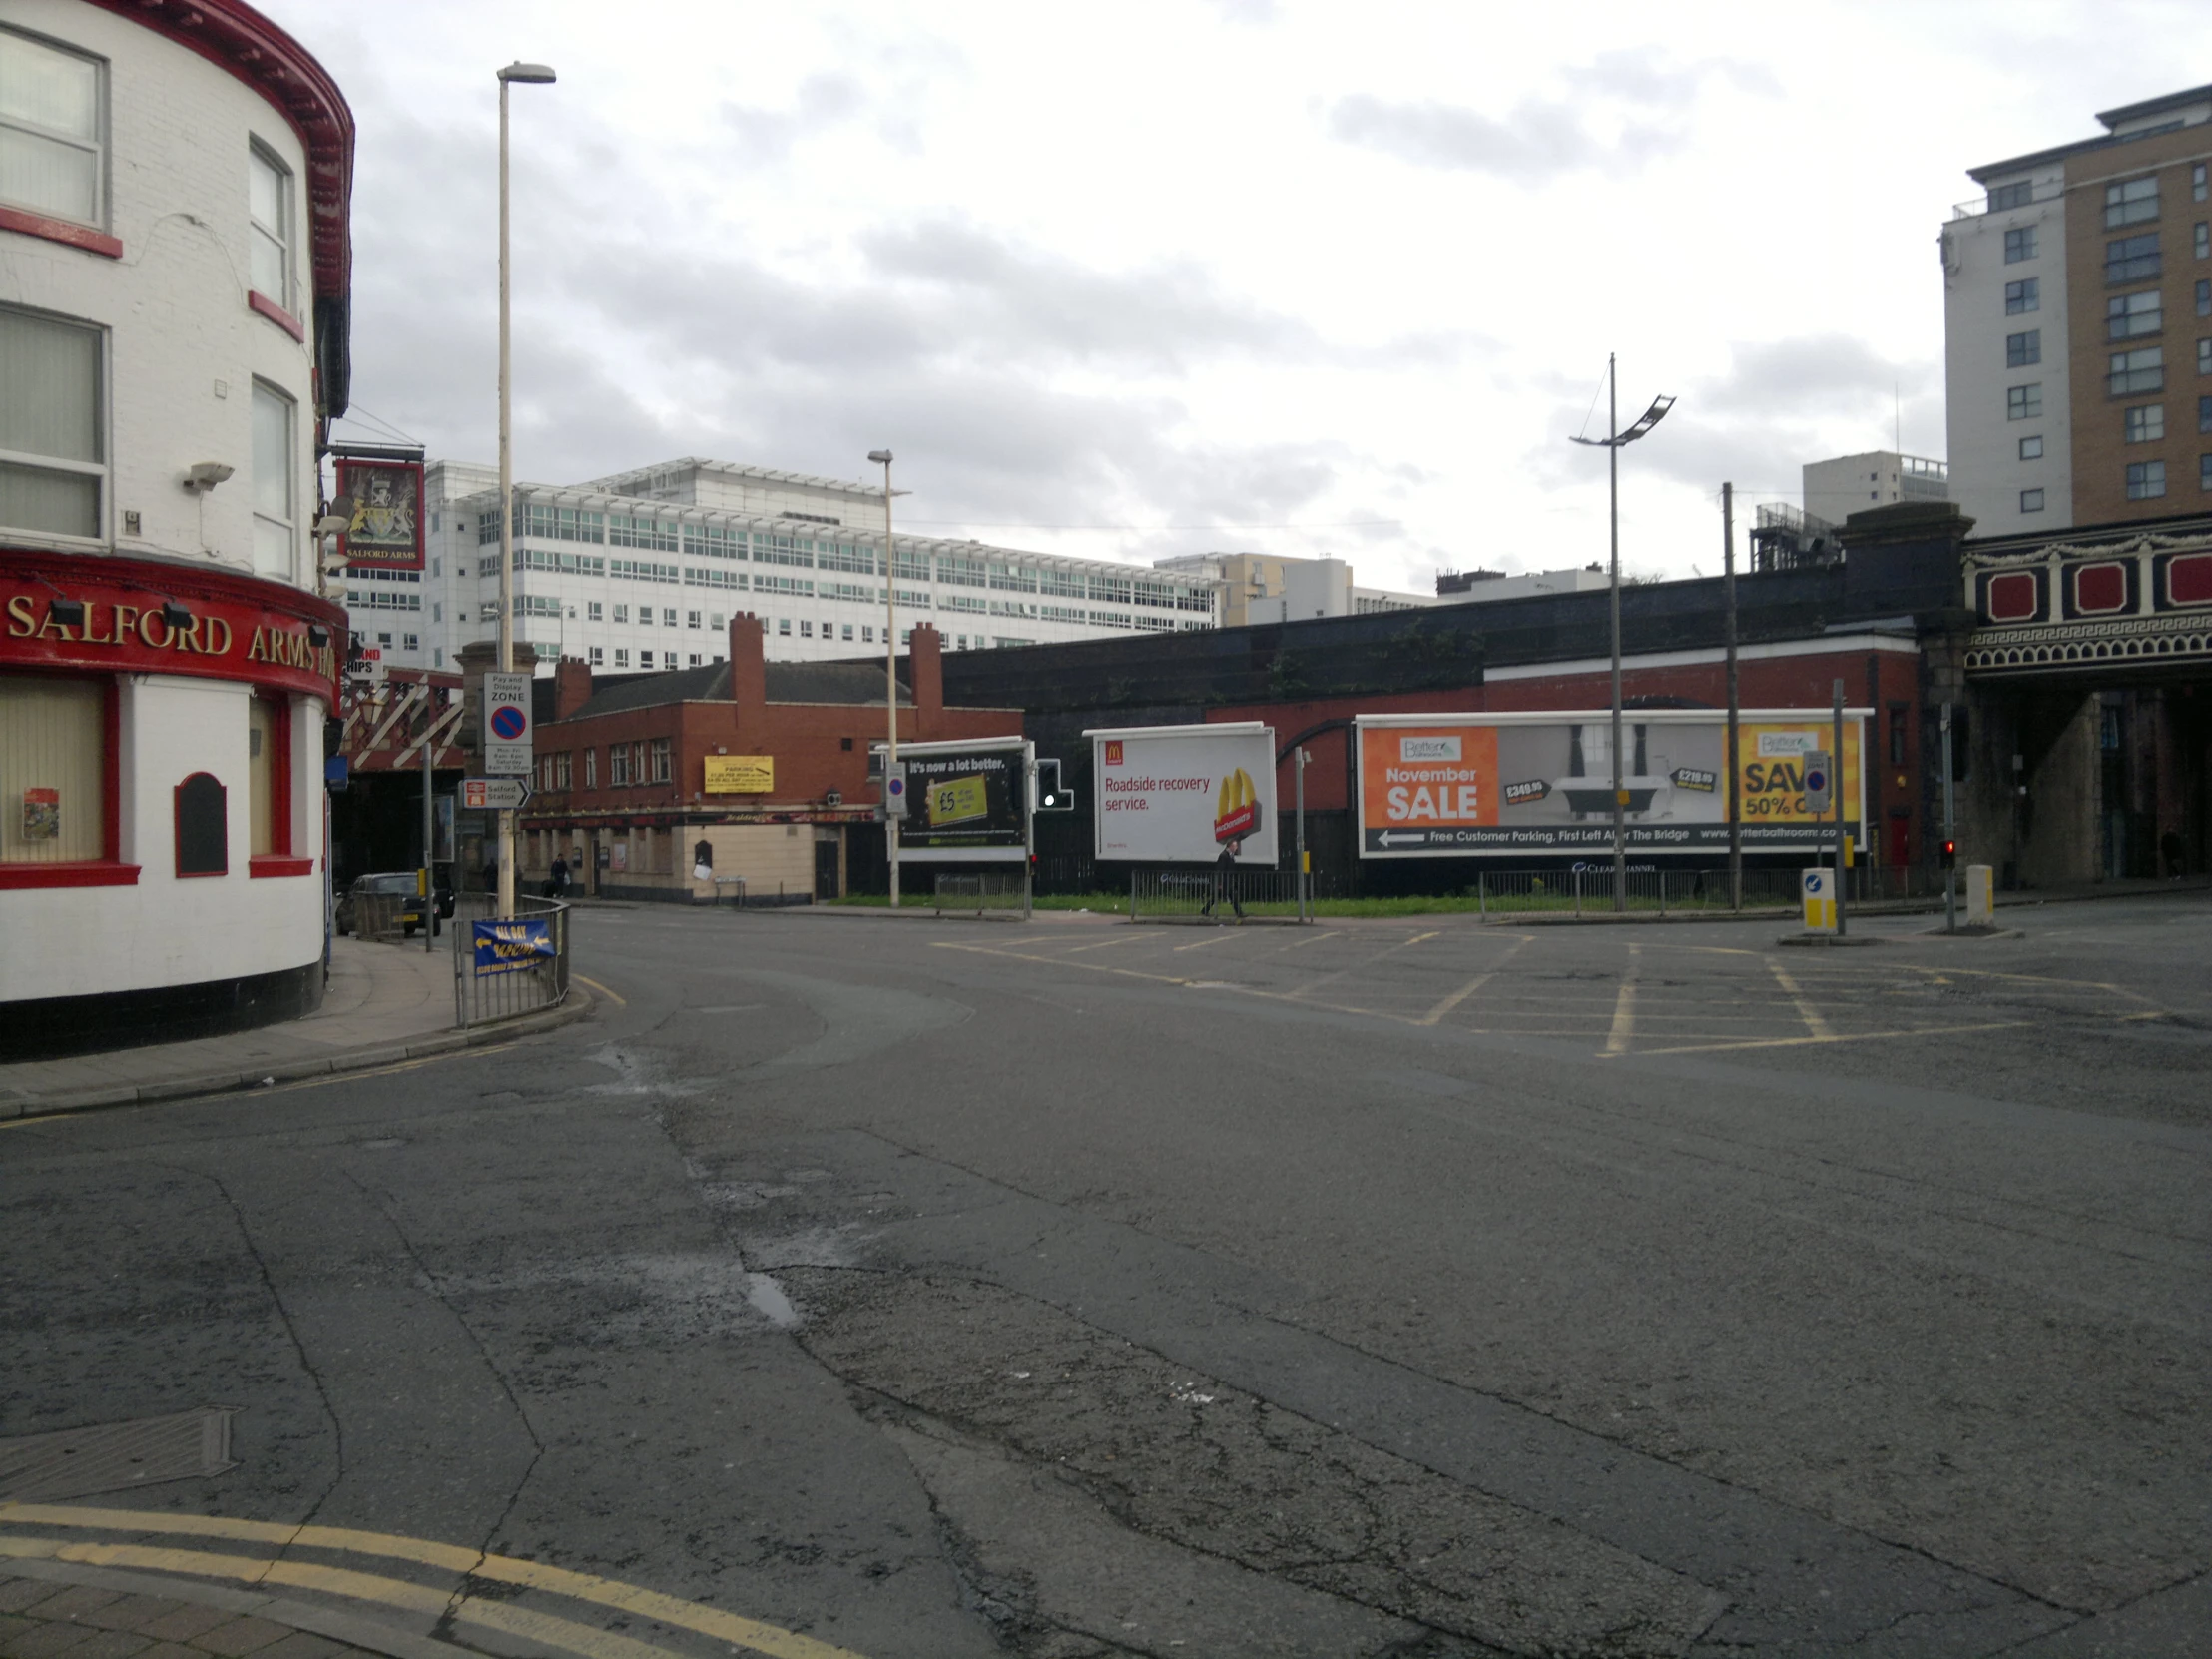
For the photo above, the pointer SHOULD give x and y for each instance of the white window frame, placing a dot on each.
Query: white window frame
(98, 470)
(291, 524)
(284, 235)
(97, 146)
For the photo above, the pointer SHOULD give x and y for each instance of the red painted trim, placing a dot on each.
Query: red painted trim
(111, 773)
(62, 231)
(250, 629)
(261, 304)
(90, 873)
(238, 40)
(263, 865)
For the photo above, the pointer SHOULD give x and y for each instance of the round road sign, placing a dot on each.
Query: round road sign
(508, 722)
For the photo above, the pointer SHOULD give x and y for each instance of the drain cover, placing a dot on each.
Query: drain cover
(114, 1456)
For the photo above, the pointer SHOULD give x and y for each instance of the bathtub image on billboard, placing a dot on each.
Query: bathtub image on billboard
(1488, 784)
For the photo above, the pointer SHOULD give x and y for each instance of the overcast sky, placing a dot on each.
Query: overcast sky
(1146, 279)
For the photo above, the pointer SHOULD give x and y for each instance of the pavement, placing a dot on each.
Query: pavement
(385, 1004)
(1072, 1292)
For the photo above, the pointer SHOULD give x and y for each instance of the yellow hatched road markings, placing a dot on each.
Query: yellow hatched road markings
(1470, 988)
(619, 999)
(634, 1599)
(1202, 943)
(1850, 1037)
(1624, 1007)
(1806, 1011)
(1361, 968)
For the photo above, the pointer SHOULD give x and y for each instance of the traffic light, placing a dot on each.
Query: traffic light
(1950, 855)
(1052, 794)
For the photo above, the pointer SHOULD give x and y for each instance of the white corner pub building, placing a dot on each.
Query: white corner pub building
(174, 183)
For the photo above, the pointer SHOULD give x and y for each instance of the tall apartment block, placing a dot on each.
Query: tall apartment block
(2077, 320)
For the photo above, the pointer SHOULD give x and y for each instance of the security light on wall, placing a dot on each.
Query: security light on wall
(204, 475)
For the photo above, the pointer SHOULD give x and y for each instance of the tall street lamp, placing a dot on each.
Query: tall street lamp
(529, 74)
(883, 458)
(1612, 443)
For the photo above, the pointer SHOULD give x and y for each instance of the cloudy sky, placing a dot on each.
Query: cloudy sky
(1158, 278)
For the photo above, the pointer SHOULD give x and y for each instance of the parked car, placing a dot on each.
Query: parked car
(397, 885)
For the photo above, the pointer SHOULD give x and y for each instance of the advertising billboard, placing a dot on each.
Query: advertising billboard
(1180, 794)
(738, 775)
(967, 802)
(1541, 784)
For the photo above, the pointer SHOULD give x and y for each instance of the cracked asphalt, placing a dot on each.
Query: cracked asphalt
(1071, 1289)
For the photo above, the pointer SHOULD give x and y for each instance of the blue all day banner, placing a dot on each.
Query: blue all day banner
(512, 946)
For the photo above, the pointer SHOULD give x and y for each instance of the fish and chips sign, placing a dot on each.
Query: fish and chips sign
(514, 946)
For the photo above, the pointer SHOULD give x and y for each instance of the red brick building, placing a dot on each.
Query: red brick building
(762, 765)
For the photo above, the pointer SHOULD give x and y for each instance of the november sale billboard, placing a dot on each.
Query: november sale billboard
(967, 802)
(1180, 794)
(1532, 785)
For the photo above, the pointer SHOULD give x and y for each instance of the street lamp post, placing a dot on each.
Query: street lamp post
(1614, 441)
(883, 458)
(529, 74)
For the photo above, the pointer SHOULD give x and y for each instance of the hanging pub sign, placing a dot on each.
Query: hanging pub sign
(385, 528)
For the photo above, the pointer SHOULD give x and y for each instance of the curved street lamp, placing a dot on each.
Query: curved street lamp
(1613, 443)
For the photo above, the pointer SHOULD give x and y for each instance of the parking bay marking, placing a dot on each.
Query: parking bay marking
(502, 1616)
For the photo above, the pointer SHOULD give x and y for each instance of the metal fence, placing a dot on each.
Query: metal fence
(1214, 896)
(978, 891)
(376, 915)
(1589, 889)
(516, 970)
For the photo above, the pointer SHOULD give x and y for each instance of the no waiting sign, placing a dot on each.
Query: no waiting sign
(507, 747)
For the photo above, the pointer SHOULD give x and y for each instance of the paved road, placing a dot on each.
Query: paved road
(959, 1288)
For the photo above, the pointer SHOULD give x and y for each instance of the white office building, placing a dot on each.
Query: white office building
(644, 569)
(1835, 489)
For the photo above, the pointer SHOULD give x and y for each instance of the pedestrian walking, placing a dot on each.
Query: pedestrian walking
(1224, 880)
(560, 878)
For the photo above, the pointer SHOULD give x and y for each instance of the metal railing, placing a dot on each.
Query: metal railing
(1590, 890)
(980, 892)
(1214, 895)
(504, 969)
(376, 915)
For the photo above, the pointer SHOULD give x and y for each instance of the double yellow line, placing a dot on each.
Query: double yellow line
(504, 1616)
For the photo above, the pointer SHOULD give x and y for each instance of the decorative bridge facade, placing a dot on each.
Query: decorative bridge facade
(2091, 603)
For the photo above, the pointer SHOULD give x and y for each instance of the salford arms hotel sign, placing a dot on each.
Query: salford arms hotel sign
(140, 617)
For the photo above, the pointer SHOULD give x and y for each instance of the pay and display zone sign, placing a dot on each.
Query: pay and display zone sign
(507, 744)
(1540, 784)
